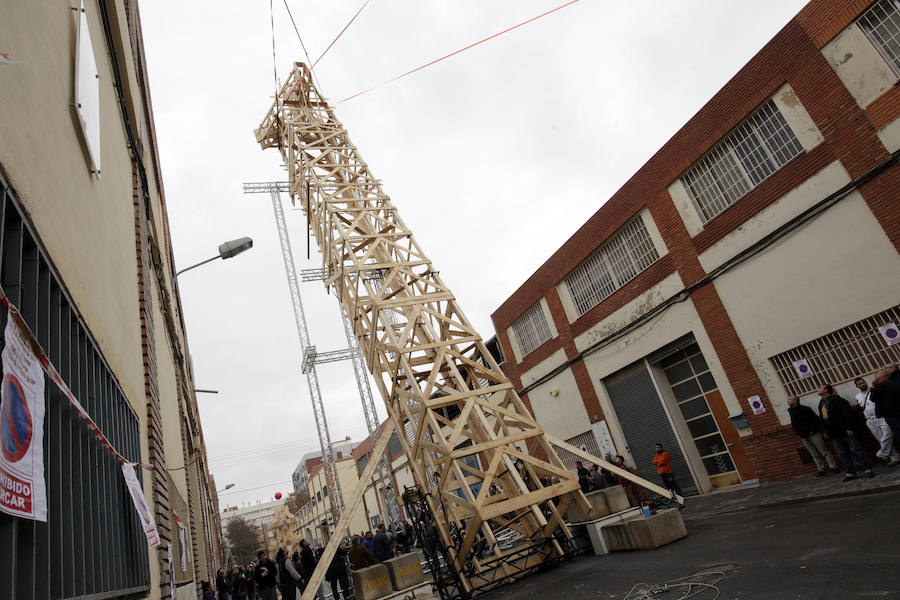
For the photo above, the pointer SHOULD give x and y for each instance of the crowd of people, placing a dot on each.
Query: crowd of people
(287, 575)
(876, 410)
(598, 478)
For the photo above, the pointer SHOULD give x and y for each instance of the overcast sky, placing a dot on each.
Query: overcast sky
(494, 158)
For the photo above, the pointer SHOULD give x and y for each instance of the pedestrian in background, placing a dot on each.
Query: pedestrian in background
(598, 482)
(360, 557)
(383, 545)
(584, 477)
(841, 427)
(634, 492)
(664, 469)
(877, 425)
(265, 576)
(808, 426)
(886, 396)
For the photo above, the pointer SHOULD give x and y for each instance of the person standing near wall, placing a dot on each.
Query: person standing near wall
(663, 463)
(886, 396)
(808, 427)
(877, 425)
(841, 427)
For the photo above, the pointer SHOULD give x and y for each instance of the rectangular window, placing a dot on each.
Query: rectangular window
(531, 329)
(745, 158)
(92, 544)
(842, 355)
(628, 252)
(881, 23)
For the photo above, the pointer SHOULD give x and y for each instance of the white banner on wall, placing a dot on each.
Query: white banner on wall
(22, 489)
(140, 505)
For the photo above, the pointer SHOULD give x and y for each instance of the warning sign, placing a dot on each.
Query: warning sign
(756, 405)
(890, 333)
(803, 369)
(22, 489)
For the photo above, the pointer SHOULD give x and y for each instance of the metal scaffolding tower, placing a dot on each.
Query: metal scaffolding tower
(312, 357)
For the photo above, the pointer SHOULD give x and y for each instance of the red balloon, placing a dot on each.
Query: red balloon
(278, 495)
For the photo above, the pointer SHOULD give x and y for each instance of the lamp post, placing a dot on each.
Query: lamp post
(227, 487)
(226, 250)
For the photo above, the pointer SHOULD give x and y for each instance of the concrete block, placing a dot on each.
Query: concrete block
(405, 570)
(617, 537)
(372, 582)
(616, 499)
(599, 508)
(658, 530)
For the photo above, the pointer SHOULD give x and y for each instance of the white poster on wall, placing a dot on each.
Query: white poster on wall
(803, 369)
(604, 439)
(140, 504)
(890, 333)
(22, 490)
(87, 89)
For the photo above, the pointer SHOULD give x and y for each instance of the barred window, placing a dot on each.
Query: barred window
(841, 355)
(628, 252)
(92, 545)
(745, 158)
(881, 23)
(531, 329)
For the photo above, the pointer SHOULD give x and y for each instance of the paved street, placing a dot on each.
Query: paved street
(838, 548)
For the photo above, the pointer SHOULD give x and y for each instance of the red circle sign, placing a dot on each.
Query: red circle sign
(15, 420)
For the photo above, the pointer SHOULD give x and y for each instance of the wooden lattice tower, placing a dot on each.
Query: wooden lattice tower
(447, 397)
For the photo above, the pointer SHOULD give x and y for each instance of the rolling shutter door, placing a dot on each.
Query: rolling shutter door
(644, 423)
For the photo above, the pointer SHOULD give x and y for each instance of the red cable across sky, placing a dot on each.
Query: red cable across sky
(337, 37)
(472, 45)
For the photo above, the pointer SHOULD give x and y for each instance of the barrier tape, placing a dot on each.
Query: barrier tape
(48, 367)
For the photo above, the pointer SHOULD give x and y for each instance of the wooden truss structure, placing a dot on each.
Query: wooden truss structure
(485, 461)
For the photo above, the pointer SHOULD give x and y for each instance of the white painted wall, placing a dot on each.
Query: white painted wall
(859, 65)
(837, 269)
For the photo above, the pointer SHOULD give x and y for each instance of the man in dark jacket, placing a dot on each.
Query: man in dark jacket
(842, 427)
(337, 573)
(886, 396)
(808, 426)
(265, 576)
(383, 545)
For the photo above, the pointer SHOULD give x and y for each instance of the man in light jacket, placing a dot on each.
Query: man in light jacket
(877, 425)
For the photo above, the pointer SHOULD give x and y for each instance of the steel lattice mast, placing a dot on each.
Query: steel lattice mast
(464, 422)
(310, 356)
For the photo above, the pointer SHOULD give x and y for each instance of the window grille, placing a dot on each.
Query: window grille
(745, 158)
(841, 355)
(531, 329)
(92, 544)
(881, 23)
(621, 258)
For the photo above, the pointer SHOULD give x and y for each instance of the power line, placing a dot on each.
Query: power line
(338, 35)
(259, 487)
(461, 50)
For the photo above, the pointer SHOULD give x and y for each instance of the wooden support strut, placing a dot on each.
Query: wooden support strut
(343, 523)
(665, 493)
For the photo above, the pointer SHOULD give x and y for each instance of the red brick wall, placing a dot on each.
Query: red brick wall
(793, 56)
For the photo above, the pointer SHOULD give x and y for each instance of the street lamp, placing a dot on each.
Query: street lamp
(226, 250)
(229, 486)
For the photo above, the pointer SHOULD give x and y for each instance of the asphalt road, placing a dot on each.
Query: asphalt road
(845, 548)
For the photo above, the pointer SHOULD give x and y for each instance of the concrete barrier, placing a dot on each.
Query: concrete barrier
(405, 570)
(372, 582)
(599, 508)
(617, 537)
(616, 499)
(658, 530)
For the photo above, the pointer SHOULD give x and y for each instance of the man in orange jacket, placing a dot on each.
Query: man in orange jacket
(664, 468)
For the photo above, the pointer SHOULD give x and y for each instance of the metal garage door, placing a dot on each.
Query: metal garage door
(645, 424)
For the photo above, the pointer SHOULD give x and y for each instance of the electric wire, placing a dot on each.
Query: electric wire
(644, 591)
(461, 50)
(251, 489)
(350, 22)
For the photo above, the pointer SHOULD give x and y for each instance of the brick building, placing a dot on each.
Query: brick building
(752, 258)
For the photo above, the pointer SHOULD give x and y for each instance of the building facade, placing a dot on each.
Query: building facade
(260, 517)
(87, 258)
(308, 462)
(753, 258)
